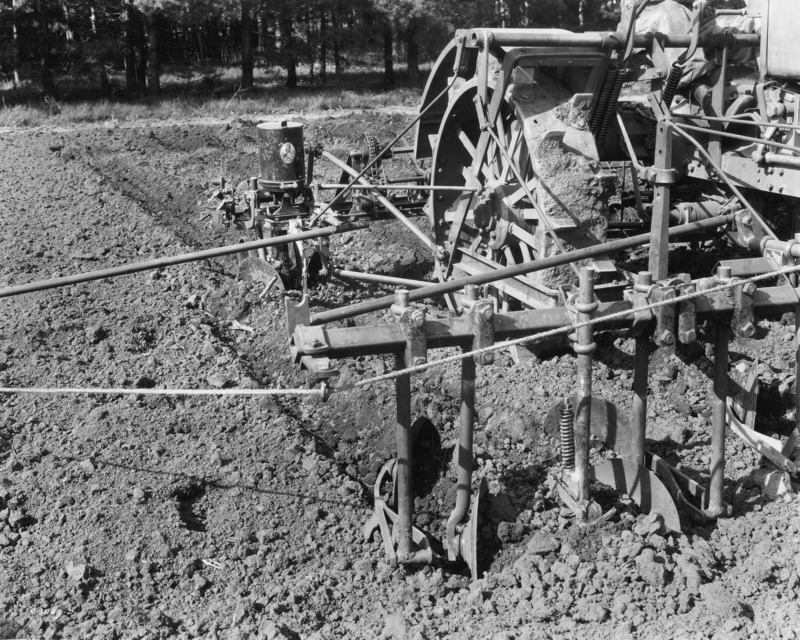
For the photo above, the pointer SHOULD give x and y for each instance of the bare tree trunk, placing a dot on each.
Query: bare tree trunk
(247, 45)
(309, 43)
(45, 50)
(412, 52)
(287, 44)
(323, 45)
(388, 54)
(15, 36)
(337, 55)
(153, 56)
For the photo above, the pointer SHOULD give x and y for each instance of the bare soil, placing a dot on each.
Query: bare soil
(145, 517)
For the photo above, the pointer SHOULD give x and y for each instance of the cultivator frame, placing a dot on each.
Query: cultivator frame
(652, 305)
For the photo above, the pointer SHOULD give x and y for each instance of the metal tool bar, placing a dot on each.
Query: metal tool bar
(397, 187)
(348, 342)
(158, 263)
(374, 277)
(451, 286)
(390, 207)
(601, 39)
(584, 348)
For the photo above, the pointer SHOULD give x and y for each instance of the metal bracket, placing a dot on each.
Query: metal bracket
(320, 368)
(413, 322)
(665, 315)
(687, 314)
(297, 314)
(642, 317)
(481, 320)
(743, 319)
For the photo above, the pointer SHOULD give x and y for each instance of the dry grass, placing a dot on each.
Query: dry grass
(199, 93)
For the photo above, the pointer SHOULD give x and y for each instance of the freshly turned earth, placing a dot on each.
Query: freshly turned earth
(144, 517)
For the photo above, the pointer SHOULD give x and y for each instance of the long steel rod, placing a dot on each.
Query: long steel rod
(736, 136)
(641, 362)
(584, 347)
(736, 120)
(717, 467)
(604, 39)
(113, 272)
(397, 187)
(374, 277)
(465, 435)
(421, 235)
(451, 286)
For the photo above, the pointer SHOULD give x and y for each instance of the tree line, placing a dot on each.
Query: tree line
(47, 41)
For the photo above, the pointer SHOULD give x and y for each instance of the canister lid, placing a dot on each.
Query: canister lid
(279, 126)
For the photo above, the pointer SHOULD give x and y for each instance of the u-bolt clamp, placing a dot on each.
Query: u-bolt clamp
(412, 320)
(637, 296)
(664, 335)
(579, 311)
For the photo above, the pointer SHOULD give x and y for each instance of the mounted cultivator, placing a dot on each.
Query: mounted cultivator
(543, 153)
(541, 157)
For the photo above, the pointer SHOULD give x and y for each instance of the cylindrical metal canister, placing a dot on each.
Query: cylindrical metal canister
(280, 154)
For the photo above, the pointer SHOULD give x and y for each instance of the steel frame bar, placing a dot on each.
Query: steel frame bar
(346, 342)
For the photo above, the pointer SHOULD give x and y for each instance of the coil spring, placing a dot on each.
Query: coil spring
(611, 108)
(603, 99)
(667, 96)
(567, 432)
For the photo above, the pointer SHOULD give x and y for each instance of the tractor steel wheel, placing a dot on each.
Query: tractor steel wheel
(489, 226)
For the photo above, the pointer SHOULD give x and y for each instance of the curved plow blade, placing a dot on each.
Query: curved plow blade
(259, 270)
(641, 485)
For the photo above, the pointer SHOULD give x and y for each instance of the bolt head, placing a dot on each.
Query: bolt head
(749, 288)
(748, 329)
(688, 336)
(487, 313)
(666, 337)
(416, 362)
